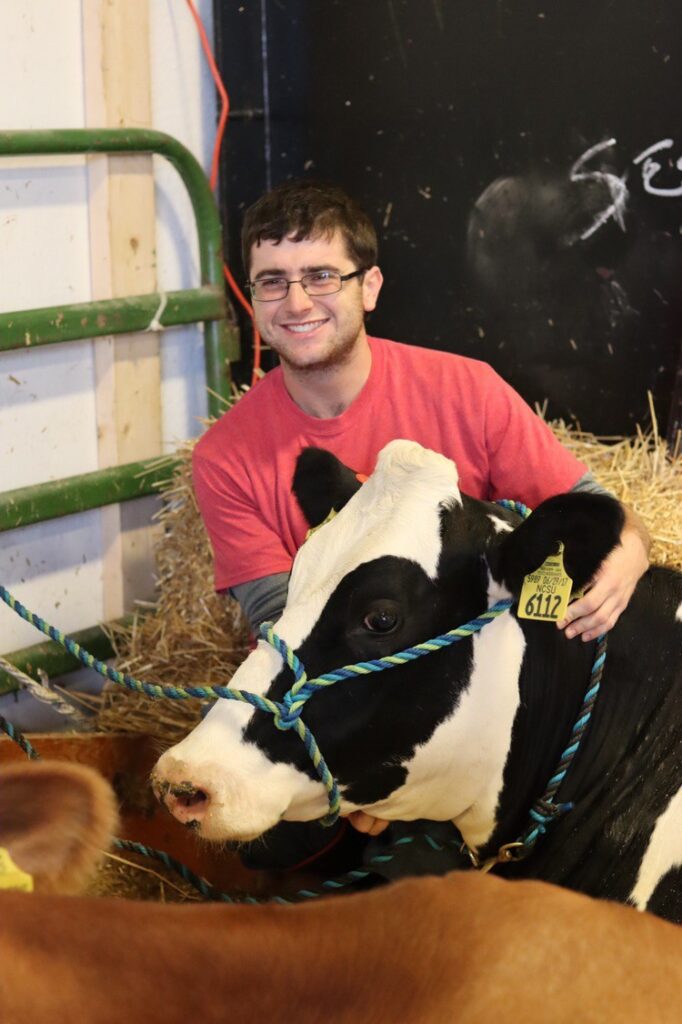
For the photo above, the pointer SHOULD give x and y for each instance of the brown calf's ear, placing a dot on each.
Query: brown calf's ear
(56, 819)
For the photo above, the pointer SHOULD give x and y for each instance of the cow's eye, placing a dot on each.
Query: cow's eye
(381, 620)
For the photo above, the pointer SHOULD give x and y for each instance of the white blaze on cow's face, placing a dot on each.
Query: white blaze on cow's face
(225, 786)
(397, 512)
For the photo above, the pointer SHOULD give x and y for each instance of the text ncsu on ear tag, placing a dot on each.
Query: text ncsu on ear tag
(546, 592)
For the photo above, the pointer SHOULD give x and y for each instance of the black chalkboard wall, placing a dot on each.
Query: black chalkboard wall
(522, 161)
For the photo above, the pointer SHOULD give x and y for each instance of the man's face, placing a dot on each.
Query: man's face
(319, 331)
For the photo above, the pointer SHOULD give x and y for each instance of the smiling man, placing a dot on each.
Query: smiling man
(310, 253)
(311, 314)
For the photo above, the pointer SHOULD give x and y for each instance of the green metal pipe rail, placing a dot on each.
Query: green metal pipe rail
(32, 328)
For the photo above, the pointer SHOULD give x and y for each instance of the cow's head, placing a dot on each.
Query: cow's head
(406, 557)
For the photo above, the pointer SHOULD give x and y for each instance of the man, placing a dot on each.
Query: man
(310, 254)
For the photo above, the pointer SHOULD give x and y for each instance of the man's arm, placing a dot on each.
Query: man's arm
(262, 600)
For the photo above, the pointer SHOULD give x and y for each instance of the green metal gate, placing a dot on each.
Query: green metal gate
(35, 327)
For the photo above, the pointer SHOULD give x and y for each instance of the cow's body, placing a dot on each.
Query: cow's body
(423, 951)
(472, 733)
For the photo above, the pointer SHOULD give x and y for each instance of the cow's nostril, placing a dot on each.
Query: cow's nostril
(187, 803)
(192, 799)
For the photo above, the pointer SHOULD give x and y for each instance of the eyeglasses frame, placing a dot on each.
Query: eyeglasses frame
(342, 278)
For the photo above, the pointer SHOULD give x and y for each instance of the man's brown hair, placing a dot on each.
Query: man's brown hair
(309, 209)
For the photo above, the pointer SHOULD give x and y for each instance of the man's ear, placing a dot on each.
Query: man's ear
(371, 286)
(589, 525)
(322, 483)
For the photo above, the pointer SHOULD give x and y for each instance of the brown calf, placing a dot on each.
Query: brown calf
(467, 948)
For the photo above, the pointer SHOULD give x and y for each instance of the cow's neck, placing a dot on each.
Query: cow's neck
(458, 772)
(551, 685)
(480, 731)
(487, 763)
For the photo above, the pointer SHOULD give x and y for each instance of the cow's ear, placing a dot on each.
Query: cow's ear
(322, 483)
(589, 525)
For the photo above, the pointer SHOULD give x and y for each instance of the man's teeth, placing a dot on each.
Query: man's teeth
(304, 328)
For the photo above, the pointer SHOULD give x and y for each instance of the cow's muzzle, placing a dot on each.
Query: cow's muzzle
(185, 801)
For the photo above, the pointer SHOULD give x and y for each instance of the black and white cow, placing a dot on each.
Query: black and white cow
(472, 733)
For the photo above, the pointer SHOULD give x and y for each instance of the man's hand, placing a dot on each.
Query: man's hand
(367, 824)
(614, 581)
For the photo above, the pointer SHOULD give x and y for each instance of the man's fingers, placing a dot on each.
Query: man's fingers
(366, 823)
(584, 606)
(596, 622)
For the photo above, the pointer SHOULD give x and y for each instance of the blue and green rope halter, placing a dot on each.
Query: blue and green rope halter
(287, 712)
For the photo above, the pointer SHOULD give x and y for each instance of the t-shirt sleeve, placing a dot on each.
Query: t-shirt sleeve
(244, 546)
(526, 461)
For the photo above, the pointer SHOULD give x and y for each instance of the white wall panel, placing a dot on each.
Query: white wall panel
(41, 59)
(47, 419)
(47, 407)
(47, 416)
(184, 105)
(54, 569)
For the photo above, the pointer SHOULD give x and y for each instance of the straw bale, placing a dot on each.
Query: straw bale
(190, 636)
(194, 636)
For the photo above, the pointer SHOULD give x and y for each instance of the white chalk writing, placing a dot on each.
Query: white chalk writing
(651, 167)
(615, 185)
(617, 191)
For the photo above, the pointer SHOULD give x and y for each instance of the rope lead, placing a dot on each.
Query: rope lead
(287, 713)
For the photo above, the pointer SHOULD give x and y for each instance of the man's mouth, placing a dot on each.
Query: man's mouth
(304, 328)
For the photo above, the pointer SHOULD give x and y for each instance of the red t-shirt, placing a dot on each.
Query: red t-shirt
(244, 464)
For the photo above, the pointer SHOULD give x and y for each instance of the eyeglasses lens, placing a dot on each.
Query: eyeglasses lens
(273, 288)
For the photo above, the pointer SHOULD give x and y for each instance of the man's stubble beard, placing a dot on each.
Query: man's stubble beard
(340, 354)
(337, 357)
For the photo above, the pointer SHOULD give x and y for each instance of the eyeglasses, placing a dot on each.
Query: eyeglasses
(318, 282)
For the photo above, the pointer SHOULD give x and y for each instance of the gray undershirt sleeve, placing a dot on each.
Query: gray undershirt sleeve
(262, 600)
(588, 483)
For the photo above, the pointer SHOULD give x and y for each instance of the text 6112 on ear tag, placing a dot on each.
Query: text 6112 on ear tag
(546, 592)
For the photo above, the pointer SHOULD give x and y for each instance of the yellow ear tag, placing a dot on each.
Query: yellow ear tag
(12, 877)
(546, 592)
(314, 529)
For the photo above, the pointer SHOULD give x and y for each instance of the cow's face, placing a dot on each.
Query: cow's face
(365, 585)
(405, 559)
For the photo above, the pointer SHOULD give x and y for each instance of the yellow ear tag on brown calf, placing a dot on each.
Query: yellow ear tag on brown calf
(12, 877)
(314, 529)
(546, 592)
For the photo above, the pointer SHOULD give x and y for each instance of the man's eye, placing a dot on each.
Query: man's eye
(320, 276)
(271, 283)
(381, 620)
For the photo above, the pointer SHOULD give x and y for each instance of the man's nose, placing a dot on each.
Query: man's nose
(297, 298)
